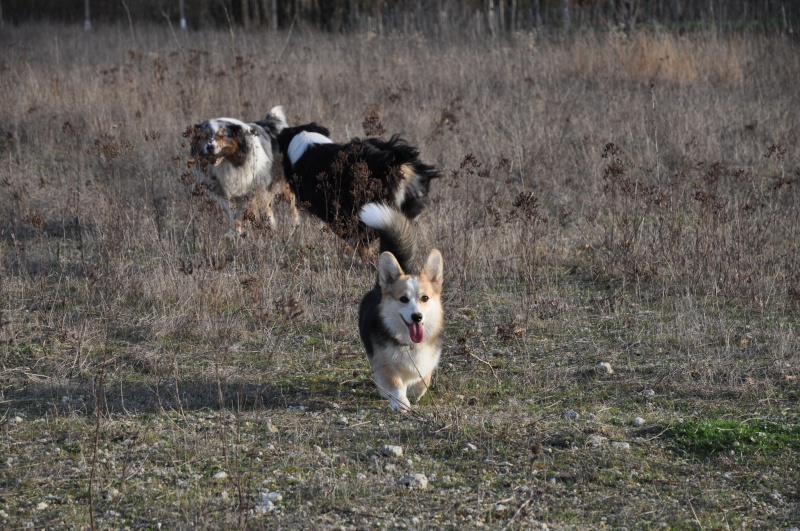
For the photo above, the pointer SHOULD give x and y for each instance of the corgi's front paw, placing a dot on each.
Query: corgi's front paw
(400, 406)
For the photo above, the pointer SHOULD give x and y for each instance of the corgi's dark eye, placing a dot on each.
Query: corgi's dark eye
(424, 298)
(404, 299)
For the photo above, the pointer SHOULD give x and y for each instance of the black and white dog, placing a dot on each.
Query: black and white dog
(333, 181)
(234, 160)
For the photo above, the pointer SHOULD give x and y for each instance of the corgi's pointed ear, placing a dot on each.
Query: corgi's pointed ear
(434, 268)
(389, 269)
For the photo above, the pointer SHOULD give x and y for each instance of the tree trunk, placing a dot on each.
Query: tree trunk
(352, 14)
(490, 17)
(182, 9)
(676, 11)
(628, 21)
(245, 14)
(257, 18)
(501, 16)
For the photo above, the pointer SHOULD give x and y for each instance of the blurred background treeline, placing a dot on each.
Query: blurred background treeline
(492, 17)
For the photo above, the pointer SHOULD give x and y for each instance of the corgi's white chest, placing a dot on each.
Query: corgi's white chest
(414, 362)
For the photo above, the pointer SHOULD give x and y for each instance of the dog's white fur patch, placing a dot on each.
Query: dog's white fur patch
(276, 113)
(302, 141)
(377, 216)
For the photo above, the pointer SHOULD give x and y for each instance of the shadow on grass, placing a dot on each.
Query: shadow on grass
(126, 398)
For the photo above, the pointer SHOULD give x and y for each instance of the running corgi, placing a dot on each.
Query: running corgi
(401, 318)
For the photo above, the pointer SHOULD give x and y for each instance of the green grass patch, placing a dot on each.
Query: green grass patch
(707, 437)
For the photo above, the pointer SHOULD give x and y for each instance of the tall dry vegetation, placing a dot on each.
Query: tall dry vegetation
(563, 164)
(605, 198)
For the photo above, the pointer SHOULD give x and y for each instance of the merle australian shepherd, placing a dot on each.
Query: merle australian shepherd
(333, 181)
(234, 162)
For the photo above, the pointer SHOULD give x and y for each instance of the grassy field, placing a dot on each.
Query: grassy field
(628, 201)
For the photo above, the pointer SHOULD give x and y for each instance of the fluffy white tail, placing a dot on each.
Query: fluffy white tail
(276, 113)
(378, 216)
(394, 228)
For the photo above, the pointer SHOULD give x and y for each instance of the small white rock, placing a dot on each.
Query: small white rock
(500, 508)
(469, 447)
(388, 450)
(266, 496)
(224, 495)
(570, 415)
(264, 508)
(16, 420)
(414, 481)
(621, 445)
(605, 367)
(342, 421)
(649, 393)
(41, 506)
(221, 475)
(596, 440)
(638, 421)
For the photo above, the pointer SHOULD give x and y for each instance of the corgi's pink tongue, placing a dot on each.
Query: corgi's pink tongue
(416, 332)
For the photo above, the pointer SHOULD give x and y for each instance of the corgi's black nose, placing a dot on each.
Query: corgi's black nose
(416, 317)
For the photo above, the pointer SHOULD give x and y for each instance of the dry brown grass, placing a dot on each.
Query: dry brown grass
(663, 57)
(568, 237)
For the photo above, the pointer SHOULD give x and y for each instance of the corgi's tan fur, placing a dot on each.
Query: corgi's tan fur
(401, 318)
